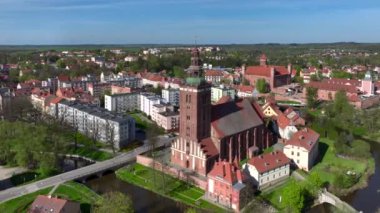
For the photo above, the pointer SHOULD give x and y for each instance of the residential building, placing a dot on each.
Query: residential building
(49, 204)
(225, 185)
(268, 169)
(244, 91)
(171, 96)
(121, 89)
(122, 102)
(5, 98)
(147, 100)
(302, 148)
(220, 91)
(168, 120)
(213, 76)
(97, 123)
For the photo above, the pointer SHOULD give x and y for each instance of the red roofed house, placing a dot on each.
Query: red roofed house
(225, 185)
(229, 130)
(268, 169)
(244, 91)
(213, 76)
(50, 204)
(302, 148)
(275, 76)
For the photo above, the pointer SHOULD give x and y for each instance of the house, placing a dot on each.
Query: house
(49, 204)
(225, 185)
(285, 126)
(244, 91)
(302, 148)
(268, 169)
(213, 76)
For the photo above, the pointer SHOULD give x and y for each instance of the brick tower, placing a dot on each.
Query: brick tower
(195, 66)
(194, 128)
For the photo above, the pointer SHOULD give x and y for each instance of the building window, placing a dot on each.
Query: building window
(188, 117)
(274, 176)
(298, 161)
(292, 153)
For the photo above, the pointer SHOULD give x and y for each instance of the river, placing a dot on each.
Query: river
(368, 199)
(143, 200)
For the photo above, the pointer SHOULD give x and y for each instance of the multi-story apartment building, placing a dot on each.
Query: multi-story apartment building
(171, 96)
(97, 123)
(122, 102)
(302, 148)
(218, 92)
(268, 169)
(147, 100)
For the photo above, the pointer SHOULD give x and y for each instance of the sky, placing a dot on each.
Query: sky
(183, 21)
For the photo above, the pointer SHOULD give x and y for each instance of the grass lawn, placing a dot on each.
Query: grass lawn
(92, 153)
(331, 165)
(71, 191)
(79, 193)
(165, 185)
(273, 196)
(22, 203)
(288, 102)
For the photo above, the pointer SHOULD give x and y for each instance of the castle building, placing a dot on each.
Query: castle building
(229, 130)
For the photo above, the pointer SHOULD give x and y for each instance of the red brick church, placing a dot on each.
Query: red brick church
(229, 130)
(275, 76)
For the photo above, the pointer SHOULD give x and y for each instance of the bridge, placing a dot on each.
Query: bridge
(81, 173)
(327, 197)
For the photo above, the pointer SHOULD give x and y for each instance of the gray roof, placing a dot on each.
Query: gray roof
(233, 117)
(239, 186)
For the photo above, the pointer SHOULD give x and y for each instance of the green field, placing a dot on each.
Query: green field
(165, 185)
(273, 196)
(71, 191)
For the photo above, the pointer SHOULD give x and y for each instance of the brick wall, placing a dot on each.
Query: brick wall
(148, 162)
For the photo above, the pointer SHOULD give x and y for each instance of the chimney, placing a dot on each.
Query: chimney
(290, 68)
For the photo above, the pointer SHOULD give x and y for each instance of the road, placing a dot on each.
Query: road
(119, 160)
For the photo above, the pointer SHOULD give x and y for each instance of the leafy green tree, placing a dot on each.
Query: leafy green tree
(293, 197)
(261, 85)
(311, 97)
(315, 182)
(179, 72)
(61, 64)
(114, 202)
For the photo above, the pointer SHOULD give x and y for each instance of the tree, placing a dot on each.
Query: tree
(311, 97)
(61, 64)
(179, 72)
(246, 82)
(315, 182)
(261, 85)
(293, 196)
(110, 135)
(114, 202)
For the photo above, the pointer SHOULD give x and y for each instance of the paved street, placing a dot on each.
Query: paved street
(78, 173)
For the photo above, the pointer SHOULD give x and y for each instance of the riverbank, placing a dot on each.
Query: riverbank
(333, 169)
(72, 191)
(166, 186)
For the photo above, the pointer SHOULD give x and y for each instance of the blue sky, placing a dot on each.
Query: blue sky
(179, 21)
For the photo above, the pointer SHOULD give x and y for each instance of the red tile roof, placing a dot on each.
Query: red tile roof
(265, 71)
(245, 88)
(213, 73)
(227, 172)
(283, 121)
(332, 87)
(306, 138)
(63, 78)
(45, 204)
(267, 162)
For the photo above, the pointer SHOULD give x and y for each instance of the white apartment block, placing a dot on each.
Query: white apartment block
(218, 92)
(122, 102)
(268, 169)
(171, 96)
(147, 100)
(97, 122)
(168, 120)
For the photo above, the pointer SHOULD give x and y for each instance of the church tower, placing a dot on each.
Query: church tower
(187, 150)
(368, 86)
(263, 60)
(195, 67)
(195, 113)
